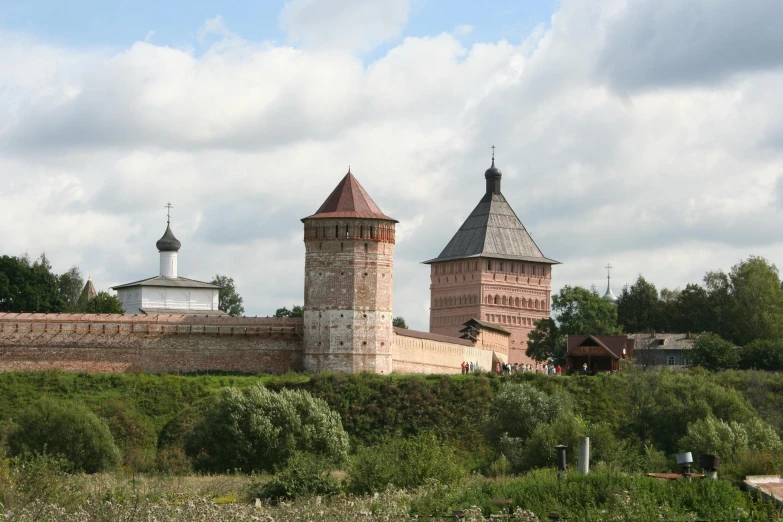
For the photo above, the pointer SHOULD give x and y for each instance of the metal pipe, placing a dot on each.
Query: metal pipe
(561, 460)
(584, 456)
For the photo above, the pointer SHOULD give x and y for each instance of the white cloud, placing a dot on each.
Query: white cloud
(248, 137)
(344, 24)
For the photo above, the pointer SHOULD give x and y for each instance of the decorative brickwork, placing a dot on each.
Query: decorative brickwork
(511, 294)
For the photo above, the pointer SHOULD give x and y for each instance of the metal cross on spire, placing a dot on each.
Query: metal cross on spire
(608, 270)
(493, 154)
(168, 207)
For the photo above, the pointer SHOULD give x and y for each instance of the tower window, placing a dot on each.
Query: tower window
(372, 232)
(346, 231)
(366, 249)
(489, 264)
(336, 231)
(361, 231)
(341, 246)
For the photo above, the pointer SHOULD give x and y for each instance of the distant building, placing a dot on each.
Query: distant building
(491, 271)
(168, 293)
(597, 353)
(662, 349)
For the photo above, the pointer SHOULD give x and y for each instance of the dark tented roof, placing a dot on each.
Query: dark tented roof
(349, 200)
(492, 230)
(177, 282)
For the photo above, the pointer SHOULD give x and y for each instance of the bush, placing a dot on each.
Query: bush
(713, 353)
(762, 354)
(261, 430)
(68, 430)
(405, 463)
(305, 475)
(519, 407)
(132, 432)
(729, 439)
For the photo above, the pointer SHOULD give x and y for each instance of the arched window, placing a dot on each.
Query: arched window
(497, 299)
(530, 303)
(489, 299)
(361, 231)
(504, 300)
(516, 302)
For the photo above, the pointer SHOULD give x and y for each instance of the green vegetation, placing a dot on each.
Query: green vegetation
(104, 303)
(65, 430)
(261, 430)
(229, 300)
(425, 445)
(295, 311)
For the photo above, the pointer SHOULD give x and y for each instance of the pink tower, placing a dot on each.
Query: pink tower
(492, 271)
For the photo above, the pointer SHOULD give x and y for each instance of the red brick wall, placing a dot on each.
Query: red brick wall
(463, 289)
(175, 343)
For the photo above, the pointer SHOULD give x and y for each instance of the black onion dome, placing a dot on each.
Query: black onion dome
(168, 243)
(493, 171)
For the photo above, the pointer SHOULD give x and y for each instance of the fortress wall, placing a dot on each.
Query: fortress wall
(157, 344)
(420, 352)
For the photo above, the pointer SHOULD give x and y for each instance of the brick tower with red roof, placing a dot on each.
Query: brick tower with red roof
(349, 247)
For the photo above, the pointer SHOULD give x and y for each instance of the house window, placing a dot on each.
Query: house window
(671, 360)
(489, 264)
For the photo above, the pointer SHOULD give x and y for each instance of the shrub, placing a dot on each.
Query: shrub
(405, 463)
(132, 432)
(762, 354)
(664, 403)
(539, 450)
(305, 475)
(519, 407)
(261, 430)
(713, 353)
(68, 430)
(729, 439)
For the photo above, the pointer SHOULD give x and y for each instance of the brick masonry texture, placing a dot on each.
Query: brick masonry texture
(349, 268)
(511, 294)
(157, 344)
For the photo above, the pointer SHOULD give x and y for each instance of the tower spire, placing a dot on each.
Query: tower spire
(609, 295)
(493, 175)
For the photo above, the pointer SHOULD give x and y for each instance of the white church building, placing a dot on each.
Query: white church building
(168, 293)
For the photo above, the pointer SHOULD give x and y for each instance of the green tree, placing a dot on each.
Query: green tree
(580, 311)
(638, 307)
(756, 301)
(262, 430)
(104, 303)
(65, 429)
(295, 311)
(762, 354)
(718, 287)
(713, 353)
(71, 284)
(546, 342)
(399, 322)
(692, 311)
(229, 300)
(29, 286)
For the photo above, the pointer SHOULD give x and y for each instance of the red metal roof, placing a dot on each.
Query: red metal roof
(349, 200)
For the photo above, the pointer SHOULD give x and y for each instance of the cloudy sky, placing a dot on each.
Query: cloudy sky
(645, 133)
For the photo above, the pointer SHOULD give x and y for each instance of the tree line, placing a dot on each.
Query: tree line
(32, 286)
(742, 308)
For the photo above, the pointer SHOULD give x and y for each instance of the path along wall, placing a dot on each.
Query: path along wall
(422, 352)
(156, 344)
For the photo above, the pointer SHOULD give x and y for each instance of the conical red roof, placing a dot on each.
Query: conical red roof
(349, 200)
